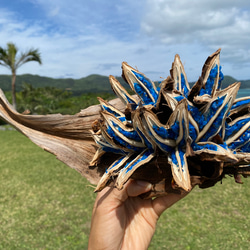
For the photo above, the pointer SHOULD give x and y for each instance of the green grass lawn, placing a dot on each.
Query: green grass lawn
(46, 205)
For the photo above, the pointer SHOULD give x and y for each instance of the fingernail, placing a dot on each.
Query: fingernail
(144, 184)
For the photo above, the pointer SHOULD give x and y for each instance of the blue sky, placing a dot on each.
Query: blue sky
(82, 37)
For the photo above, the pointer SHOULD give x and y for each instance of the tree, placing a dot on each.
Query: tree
(11, 59)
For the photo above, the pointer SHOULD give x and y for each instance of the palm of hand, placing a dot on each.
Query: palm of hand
(122, 220)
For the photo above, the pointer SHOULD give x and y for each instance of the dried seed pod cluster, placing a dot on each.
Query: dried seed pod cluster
(193, 129)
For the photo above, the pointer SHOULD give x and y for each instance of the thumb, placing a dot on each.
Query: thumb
(136, 187)
(132, 188)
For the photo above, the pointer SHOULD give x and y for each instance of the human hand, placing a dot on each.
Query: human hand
(122, 220)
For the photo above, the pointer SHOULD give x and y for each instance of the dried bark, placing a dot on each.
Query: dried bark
(68, 137)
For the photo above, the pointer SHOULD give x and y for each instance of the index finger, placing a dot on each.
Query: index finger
(160, 204)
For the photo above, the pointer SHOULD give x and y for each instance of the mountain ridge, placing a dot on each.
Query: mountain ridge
(90, 84)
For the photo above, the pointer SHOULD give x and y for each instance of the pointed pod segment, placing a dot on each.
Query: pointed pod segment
(121, 92)
(113, 170)
(211, 75)
(111, 109)
(169, 99)
(125, 136)
(141, 159)
(179, 166)
(144, 87)
(210, 151)
(141, 130)
(179, 76)
(213, 115)
(237, 133)
(240, 107)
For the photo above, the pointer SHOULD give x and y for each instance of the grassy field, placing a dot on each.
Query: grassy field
(46, 205)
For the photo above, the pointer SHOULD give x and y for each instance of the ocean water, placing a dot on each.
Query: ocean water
(243, 93)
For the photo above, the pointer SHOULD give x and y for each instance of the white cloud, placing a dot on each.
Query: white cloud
(96, 36)
(212, 24)
(55, 11)
(63, 54)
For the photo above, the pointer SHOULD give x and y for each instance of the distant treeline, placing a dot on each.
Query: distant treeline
(89, 84)
(44, 95)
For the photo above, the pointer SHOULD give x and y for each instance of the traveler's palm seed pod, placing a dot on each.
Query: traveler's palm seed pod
(171, 135)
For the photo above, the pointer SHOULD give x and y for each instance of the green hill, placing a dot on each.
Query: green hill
(229, 80)
(90, 84)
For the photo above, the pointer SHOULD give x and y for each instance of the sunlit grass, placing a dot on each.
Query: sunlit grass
(214, 218)
(43, 203)
(46, 205)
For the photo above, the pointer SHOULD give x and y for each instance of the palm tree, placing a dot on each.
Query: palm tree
(11, 59)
